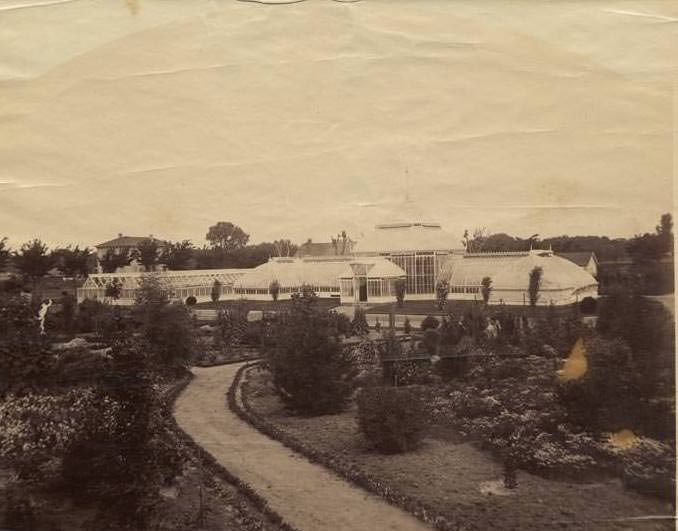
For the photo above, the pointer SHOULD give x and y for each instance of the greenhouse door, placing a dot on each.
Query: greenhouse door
(362, 289)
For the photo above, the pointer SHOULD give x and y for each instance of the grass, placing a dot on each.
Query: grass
(455, 476)
(459, 307)
(262, 305)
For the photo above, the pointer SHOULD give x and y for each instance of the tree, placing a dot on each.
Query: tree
(274, 290)
(341, 244)
(312, 372)
(534, 285)
(147, 253)
(114, 289)
(400, 290)
(34, 262)
(442, 291)
(177, 255)
(486, 289)
(359, 324)
(4, 253)
(73, 261)
(475, 243)
(215, 294)
(226, 237)
(284, 248)
(665, 233)
(112, 261)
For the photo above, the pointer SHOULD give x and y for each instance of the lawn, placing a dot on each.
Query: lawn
(460, 480)
(430, 307)
(262, 305)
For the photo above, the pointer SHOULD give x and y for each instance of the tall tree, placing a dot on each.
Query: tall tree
(111, 261)
(486, 289)
(147, 253)
(177, 256)
(4, 253)
(534, 285)
(34, 260)
(665, 233)
(284, 247)
(73, 261)
(226, 236)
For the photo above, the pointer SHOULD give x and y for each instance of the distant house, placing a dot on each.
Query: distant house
(337, 247)
(127, 245)
(587, 260)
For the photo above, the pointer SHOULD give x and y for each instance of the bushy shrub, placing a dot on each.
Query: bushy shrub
(429, 323)
(407, 326)
(312, 372)
(191, 301)
(359, 324)
(341, 323)
(650, 467)
(391, 419)
(430, 341)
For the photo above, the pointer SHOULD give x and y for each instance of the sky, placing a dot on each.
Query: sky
(301, 120)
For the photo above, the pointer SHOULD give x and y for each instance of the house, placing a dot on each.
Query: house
(127, 245)
(587, 260)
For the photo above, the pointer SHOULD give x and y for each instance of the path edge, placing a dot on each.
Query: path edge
(347, 471)
(211, 464)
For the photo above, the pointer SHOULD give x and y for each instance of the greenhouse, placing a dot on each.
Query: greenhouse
(179, 284)
(370, 280)
(562, 282)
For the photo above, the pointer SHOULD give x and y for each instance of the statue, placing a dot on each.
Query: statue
(42, 314)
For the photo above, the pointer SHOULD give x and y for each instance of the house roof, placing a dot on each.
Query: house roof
(127, 241)
(581, 258)
(316, 249)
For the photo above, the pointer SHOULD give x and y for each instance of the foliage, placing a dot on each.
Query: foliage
(112, 261)
(649, 467)
(25, 360)
(231, 326)
(312, 372)
(442, 291)
(284, 247)
(191, 300)
(341, 323)
(34, 261)
(113, 289)
(4, 253)
(359, 324)
(429, 323)
(486, 289)
(73, 261)
(534, 285)
(400, 290)
(274, 289)
(342, 244)
(177, 256)
(215, 293)
(226, 236)
(167, 328)
(146, 253)
(431, 341)
(391, 419)
(407, 326)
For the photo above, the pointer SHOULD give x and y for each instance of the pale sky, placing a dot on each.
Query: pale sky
(163, 117)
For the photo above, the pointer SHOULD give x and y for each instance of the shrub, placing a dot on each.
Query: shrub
(442, 291)
(191, 300)
(312, 372)
(407, 326)
(391, 419)
(400, 290)
(359, 324)
(430, 341)
(650, 467)
(429, 323)
(341, 323)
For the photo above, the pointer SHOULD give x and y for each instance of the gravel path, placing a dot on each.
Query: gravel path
(307, 496)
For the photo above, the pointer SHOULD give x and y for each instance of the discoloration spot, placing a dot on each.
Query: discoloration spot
(624, 439)
(575, 365)
(133, 6)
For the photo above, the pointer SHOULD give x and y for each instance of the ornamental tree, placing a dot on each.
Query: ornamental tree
(486, 289)
(312, 372)
(274, 289)
(534, 285)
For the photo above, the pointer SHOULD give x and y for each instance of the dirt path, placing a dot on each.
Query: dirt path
(307, 496)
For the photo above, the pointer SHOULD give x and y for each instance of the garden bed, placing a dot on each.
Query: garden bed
(454, 477)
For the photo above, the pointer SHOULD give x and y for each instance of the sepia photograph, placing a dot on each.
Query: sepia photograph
(337, 265)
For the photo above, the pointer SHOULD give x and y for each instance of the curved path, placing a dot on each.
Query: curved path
(306, 495)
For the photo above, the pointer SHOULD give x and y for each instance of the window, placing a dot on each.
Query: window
(420, 270)
(346, 286)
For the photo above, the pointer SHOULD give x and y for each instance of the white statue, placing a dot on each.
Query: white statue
(42, 314)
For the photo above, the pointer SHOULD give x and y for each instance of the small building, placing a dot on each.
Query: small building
(587, 260)
(127, 245)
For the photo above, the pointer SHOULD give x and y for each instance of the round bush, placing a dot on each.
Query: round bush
(429, 323)
(391, 418)
(191, 300)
